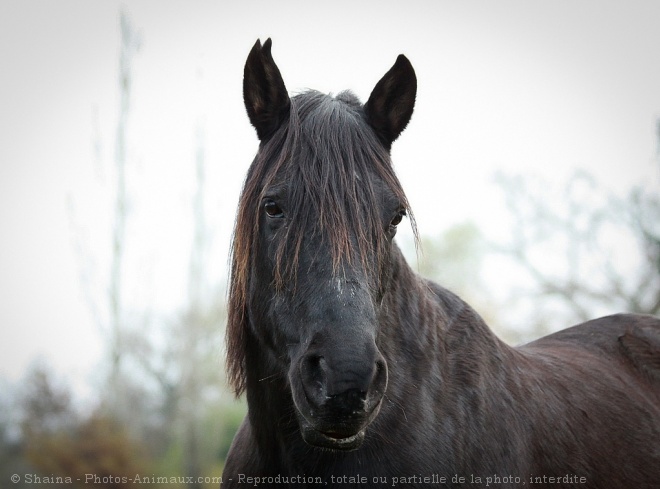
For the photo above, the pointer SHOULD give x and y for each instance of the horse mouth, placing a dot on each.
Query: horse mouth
(343, 436)
(330, 440)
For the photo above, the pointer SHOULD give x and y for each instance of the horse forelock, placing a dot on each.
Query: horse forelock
(332, 164)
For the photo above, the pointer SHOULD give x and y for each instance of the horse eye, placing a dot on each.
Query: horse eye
(272, 209)
(398, 218)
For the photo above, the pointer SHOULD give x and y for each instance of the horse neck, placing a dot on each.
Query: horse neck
(438, 328)
(440, 350)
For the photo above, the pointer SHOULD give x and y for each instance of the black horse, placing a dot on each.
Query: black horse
(358, 372)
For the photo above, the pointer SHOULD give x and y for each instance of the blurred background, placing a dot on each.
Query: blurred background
(531, 164)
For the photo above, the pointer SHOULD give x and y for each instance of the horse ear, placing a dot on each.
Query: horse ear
(391, 103)
(265, 96)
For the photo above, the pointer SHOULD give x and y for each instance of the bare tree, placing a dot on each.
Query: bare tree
(194, 326)
(184, 363)
(173, 360)
(130, 44)
(585, 251)
(104, 289)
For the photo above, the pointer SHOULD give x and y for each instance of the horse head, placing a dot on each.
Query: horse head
(313, 246)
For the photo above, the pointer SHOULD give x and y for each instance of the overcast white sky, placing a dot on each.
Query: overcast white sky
(517, 86)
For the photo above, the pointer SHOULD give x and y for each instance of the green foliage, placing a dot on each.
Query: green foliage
(456, 260)
(232, 417)
(453, 258)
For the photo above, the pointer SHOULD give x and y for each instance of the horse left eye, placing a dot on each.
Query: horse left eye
(398, 218)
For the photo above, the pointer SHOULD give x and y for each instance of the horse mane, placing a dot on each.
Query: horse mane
(336, 201)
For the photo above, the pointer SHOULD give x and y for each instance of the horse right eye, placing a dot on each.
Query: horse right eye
(272, 209)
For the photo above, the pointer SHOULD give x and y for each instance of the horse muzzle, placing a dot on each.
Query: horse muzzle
(337, 398)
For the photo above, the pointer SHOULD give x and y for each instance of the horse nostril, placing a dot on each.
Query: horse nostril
(314, 361)
(342, 386)
(313, 373)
